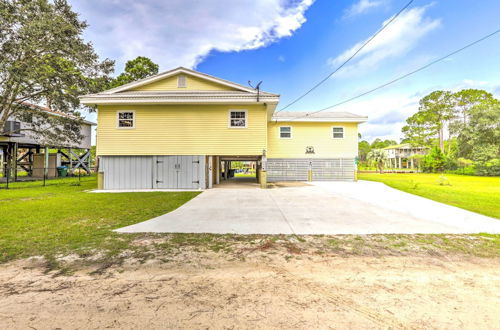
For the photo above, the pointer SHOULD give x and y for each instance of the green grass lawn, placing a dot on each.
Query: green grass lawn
(62, 218)
(474, 193)
(245, 175)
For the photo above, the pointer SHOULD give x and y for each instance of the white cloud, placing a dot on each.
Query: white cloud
(183, 32)
(397, 39)
(362, 7)
(387, 113)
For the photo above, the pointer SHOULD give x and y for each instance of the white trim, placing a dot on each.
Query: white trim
(279, 132)
(229, 118)
(167, 74)
(320, 120)
(333, 135)
(166, 100)
(118, 119)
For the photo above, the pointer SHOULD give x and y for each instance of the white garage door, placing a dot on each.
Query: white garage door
(179, 172)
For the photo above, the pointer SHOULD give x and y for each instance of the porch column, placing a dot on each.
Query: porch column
(4, 160)
(46, 162)
(210, 172)
(263, 170)
(217, 170)
(14, 160)
(70, 161)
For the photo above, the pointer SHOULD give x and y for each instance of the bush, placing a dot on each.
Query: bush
(489, 168)
(434, 162)
(468, 170)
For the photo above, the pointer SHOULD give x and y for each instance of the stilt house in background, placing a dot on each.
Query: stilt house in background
(21, 150)
(403, 155)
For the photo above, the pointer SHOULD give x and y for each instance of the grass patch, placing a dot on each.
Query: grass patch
(62, 218)
(245, 175)
(473, 193)
(62, 222)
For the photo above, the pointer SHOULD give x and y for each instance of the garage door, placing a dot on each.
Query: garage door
(179, 172)
(288, 169)
(147, 172)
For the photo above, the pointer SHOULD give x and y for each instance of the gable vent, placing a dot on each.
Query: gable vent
(181, 81)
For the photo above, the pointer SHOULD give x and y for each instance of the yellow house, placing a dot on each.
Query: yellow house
(178, 129)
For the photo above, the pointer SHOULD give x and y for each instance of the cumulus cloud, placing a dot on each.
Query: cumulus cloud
(362, 7)
(183, 32)
(397, 39)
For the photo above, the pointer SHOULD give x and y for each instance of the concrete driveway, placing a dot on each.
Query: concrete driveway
(319, 208)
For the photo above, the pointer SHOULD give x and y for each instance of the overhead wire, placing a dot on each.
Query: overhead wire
(348, 59)
(401, 77)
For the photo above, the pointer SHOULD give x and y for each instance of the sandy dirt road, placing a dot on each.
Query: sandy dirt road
(209, 292)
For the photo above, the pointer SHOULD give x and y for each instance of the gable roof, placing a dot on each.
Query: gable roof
(53, 112)
(127, 94)
(338, 117)
(174, 72)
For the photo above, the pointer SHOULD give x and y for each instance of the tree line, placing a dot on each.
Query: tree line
(461, 130)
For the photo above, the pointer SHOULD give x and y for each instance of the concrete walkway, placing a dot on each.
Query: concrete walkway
(320, 208)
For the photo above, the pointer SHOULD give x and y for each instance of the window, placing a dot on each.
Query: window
(181, 81)
(126, 119)
(285, 132)
(338, 132)
(238, 119)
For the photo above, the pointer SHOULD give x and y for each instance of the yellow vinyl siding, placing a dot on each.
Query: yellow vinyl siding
(314, 134)
(192, 83)
(181, 130)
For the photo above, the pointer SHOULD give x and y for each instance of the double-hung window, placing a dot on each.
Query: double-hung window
(126, 119)
(238, 119)
(285, 132)
(338, 132)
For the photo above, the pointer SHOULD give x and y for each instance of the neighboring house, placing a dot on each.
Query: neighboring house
(21, 148)
(179, 128)
(403, 155)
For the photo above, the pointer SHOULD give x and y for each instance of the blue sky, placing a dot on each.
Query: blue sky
(291, 45)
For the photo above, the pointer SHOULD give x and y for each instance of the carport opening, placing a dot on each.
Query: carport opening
(243, 171)
(239, 171)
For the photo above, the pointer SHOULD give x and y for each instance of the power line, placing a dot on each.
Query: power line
(403, 76)
(350, 58)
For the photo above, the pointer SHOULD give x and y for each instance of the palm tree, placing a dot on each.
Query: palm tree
(378, 158)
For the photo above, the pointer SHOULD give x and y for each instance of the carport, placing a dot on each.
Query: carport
(225, 174)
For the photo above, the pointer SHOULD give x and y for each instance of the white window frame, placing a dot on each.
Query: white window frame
(118, 119)
(237, 110)
(279, 132)
(333, 133)
(179, 85)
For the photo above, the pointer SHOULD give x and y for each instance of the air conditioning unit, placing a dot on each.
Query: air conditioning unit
(12, 128)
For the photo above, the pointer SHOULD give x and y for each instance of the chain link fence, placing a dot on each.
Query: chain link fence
(44, 176)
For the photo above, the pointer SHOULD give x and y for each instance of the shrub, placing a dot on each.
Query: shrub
(434, 162)
(489, 168)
